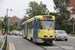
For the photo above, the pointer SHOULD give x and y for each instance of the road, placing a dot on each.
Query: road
(23, 44)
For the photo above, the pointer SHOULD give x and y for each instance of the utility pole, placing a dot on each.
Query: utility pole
(65, 17)
(73, 24)
(7, 20)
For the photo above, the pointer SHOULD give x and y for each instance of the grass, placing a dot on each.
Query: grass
(7, 48)
(1, 44)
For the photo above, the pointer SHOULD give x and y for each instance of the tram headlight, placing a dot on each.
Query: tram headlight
(51, 36)
(45, 36)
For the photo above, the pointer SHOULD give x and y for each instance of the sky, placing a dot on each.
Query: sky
(18, 7)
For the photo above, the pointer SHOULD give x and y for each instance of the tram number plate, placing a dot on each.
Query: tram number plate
(39, 40)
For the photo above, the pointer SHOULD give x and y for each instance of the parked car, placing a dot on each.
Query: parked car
(60, 35)
(11, 32)
(17, 33)
(20, 34)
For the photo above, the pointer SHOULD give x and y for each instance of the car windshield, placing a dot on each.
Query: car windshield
(61, 32)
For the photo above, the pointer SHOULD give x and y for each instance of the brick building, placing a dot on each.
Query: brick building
(71, 8)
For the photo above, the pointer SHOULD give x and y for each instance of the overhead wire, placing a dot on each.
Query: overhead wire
(13, 4)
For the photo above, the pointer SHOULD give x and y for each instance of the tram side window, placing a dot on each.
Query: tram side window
(22, 26)
(30, 26)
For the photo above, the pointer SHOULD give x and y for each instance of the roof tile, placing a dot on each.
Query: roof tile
(72, 3)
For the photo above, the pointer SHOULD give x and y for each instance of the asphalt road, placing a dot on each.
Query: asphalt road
(23, 44)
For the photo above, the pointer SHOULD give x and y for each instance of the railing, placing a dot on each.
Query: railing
(4, 43)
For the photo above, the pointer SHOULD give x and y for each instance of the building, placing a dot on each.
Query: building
(9, 18)
(71, 8)
(14, 20)
(2, 18)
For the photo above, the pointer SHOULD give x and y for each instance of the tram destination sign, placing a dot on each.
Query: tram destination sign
(47, 17)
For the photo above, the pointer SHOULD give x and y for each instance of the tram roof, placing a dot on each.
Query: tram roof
(38, 17)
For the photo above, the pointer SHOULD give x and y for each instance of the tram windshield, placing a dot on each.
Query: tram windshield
(47, 24)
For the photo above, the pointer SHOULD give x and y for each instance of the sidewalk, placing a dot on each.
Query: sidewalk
(71, 37)
(11, 46)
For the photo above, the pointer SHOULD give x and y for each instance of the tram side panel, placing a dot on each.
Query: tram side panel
(30, 31)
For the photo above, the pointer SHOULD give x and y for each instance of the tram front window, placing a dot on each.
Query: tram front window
(47, 24)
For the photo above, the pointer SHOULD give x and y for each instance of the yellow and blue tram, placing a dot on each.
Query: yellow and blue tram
(39, 29)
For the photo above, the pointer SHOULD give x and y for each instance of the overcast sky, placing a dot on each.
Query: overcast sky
(18, 7)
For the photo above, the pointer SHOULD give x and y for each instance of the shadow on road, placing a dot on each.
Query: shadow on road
(45, 44)
(41, 44)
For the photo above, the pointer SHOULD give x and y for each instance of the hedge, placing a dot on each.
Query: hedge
(69, 28)
(72, 33)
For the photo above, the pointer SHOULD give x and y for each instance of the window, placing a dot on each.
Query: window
(22, 26)
(61, 31)
(30, 25)
(47, 24)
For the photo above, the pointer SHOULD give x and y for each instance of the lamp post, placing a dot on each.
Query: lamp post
(7, 20)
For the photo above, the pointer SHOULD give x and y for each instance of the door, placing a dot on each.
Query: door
(35, 29)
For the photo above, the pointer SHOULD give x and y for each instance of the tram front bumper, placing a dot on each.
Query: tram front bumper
(42, 40)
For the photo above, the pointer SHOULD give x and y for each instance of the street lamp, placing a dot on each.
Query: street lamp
(7, 19)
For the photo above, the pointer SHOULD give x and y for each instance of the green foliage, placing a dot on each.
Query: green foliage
(10, 27)
(72, 33)
(19, 29)
(57, 18)
(5, 19)
(36, 9)
(1, 44)
(0, 25)
(53, 13)
(23, 20)
(61, 27)
(60, 7)
(14, 27)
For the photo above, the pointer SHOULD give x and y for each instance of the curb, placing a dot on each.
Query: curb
(11, 46)
(71, 37)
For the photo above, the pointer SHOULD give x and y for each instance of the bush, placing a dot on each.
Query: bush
(62, 27)
(72, 33)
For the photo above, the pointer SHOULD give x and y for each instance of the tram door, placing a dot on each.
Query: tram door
(35, 29)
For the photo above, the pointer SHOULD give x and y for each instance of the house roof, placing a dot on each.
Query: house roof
(73, 8)
(73, 12)
(72, 3)
(13, 19)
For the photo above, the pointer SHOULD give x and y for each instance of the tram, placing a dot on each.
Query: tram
(39, 29)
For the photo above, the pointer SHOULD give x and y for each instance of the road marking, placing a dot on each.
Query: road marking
(57, 47)
(15, 36)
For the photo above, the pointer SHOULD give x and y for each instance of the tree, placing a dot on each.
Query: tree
(36, 9)
(23, 20)
(60, 7)
(5, 23)
(53, 13)
(0, 25)
(57, 18)
(10, 27)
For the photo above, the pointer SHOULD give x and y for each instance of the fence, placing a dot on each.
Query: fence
(4, 43)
